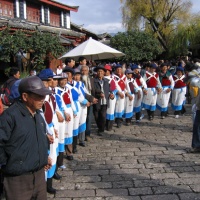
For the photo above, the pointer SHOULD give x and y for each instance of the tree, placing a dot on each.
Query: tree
(41, 43)
(11, 44)
(186, 36)
(36, 43)
(137, 45)
(160, 17)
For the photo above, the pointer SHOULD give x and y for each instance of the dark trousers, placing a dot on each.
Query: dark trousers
(75, 142)
(27, 186)
(109, 124)
(150, 113)
(68, 149)
(60, 159)
(100, 117)
(89, 120)
(163, 113)
(196, 131)
(137, 115)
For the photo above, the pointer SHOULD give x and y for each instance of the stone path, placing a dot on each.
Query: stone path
(143, 161)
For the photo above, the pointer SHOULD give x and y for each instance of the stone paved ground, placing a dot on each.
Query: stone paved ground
(143, 161)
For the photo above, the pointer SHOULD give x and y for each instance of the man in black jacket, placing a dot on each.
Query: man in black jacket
(23, 143)
(102, 93)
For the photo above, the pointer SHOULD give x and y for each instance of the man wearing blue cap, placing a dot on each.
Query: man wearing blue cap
(131, 90)
(179, 91)
(167, 83)
(121, 82)
(139, 96)
(153, 88)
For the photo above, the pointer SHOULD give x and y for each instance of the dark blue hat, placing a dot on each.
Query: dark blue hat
(180, 69)
(118, 66)
(134, 66)
(153, 65)
(128, 71)
(14, 92)
(68, 69)
(45, 74)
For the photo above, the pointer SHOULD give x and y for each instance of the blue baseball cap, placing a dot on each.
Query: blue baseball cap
(153, 65)
(45, 74)
(134, 66)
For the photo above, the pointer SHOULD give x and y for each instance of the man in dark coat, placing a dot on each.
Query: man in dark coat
(24, 144)
(102, 93)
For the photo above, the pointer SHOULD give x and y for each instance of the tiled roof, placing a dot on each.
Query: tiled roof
(33, 27)
(80, 28)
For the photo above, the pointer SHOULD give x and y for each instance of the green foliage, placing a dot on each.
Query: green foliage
(159, 17)
(37, 43)
(137, 45)
(11, 44)
(40, 43)
(187, 36)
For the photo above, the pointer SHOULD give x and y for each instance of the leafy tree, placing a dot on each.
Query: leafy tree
(186, 36)
(11, 44)
(41, 43)
(159, 17)
(137, 45)
(37, 44)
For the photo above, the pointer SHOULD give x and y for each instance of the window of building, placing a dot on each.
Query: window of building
(33, 13)
(7, 8)
(55, 19)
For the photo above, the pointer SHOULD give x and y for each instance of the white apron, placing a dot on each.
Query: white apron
(149, 100)
(178, 98)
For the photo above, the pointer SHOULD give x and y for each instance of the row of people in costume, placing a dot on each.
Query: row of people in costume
(65, 112)
(152, 91)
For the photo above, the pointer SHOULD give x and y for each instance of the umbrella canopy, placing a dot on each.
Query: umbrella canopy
(93, 50)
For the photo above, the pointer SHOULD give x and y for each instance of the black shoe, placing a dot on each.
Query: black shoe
(99, 133)
(51, 190)
(150, 118)
(194, 150)
(69, 157)
(119, 125)
(82, 144)
(57, 176)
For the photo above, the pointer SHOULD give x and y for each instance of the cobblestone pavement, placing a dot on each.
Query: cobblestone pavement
(144, 161)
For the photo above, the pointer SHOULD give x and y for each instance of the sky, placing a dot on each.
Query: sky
(103, 16)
